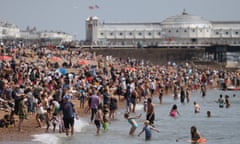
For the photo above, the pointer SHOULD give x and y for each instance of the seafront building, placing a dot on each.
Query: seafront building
(12, 32)
(183, 30)
(219, 39)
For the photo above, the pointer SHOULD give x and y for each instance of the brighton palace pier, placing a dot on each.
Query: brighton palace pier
(184, 30)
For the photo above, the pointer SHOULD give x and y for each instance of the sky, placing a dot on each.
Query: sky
(69, 15)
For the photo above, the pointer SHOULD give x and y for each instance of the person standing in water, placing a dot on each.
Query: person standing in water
(196, 107)
(132, 121)
(98, 118)
(227, 102)
(150, 111)
(68, 112)
(160, 96)
(148, 130)
(220, 101)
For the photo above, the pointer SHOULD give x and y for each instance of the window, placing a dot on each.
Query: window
(226, 33)
(169, 31)
(130, 33)
(120, 33)
(101, 33)
(236, 33)
(140, 33)
(111, 33)
(159, 33)
(185, 30)
(193, 30)
(217, 33)
(176, 31)
(149, 33)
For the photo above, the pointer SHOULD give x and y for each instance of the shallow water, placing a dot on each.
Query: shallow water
(222, 128)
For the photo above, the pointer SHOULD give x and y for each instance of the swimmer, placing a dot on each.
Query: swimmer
(195, 136)
(132, 121)
(174, 111)
(208, 114)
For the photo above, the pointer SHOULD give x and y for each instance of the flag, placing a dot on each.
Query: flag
(96, 6)
(91, 7)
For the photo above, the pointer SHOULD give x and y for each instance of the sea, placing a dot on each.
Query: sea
(223, 127)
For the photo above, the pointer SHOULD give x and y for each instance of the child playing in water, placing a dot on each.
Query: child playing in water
(220, 101)
(54, 121)
(133, 122)
(173, 113)
(227, 102)
(105, 118)
(148, 130)
(196, 107)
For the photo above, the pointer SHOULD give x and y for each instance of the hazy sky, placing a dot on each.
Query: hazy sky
(69, 15)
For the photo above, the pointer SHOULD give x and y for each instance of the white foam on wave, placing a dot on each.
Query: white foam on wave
(53, 138)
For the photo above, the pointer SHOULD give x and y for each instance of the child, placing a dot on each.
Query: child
(173, 113)
(196, 107)
(61, 126)
(220, 101)
(47, 118)
(148, 130)
(227, 102)
(132, 121)
(54, 121)
(105, 118)
(82, 97)
(145, 104)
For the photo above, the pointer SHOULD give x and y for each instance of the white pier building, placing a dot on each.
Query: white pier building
(184, 30)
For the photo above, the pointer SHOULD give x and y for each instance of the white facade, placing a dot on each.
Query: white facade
(9, 30)
(179, 30)
(56, 35)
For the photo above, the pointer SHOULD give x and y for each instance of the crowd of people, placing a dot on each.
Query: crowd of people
(31, 83)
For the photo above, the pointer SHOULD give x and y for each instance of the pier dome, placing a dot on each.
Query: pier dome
(186, 20)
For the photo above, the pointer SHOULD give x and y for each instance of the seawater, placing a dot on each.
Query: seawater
(223, 127)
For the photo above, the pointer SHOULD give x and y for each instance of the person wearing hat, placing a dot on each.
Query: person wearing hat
(68, 111)
(148, 130)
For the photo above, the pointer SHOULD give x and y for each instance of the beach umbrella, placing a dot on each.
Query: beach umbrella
(62, 71)
(5, 57)
(83, 62)
(130, 69)
(55, 58)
